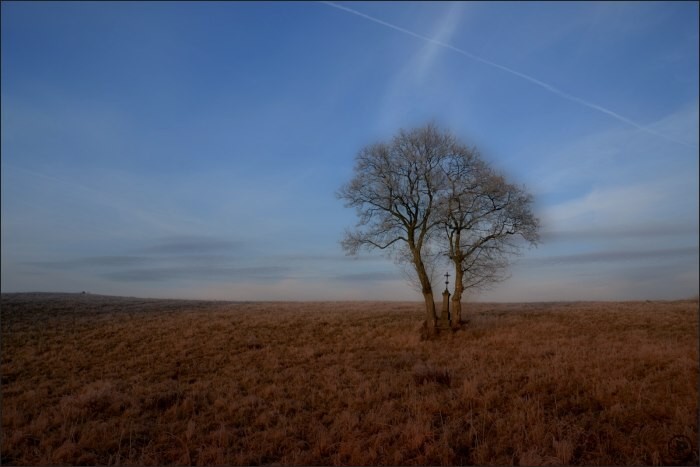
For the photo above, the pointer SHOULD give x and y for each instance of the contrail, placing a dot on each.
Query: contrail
(529, 78)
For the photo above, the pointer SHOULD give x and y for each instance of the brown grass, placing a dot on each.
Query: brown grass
(99, 380)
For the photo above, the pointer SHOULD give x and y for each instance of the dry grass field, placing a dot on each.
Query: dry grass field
(101, 380)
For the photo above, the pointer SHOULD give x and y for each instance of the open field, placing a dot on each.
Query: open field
(101, 380)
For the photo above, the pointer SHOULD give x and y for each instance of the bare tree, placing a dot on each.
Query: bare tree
(395, 190)
(485, 219)
(425, 193)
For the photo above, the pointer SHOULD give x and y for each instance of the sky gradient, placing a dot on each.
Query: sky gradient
(192, 150)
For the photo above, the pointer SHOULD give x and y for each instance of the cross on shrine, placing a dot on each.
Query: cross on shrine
(447, 279)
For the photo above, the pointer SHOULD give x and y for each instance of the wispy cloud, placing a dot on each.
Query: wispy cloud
(615, 157)
(378, 276)
(446, 28)
(198, 273)
(622, 207)
(548, 87)
(91, 262)
(625, 273)
(651, 230)
(406, 91)
(616, 256)
(193, 245)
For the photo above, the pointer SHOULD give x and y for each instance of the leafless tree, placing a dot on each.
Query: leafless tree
(395, 190)
(424, 193)
(486, 220)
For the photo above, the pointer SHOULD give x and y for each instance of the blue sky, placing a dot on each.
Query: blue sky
(192, 150)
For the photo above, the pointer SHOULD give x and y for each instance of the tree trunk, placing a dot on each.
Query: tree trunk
(456, 317)
(430, 315)
(426, 289)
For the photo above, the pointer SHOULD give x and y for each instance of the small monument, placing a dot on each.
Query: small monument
(445, 315)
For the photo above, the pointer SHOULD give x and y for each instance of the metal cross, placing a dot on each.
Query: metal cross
(447, 279)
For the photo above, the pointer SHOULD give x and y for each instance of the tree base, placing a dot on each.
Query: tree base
(428, 331)
(433, 331)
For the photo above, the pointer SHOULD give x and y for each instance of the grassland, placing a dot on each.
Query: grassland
(99, 380)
